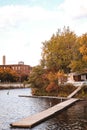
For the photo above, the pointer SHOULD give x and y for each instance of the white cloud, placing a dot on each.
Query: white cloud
(14, 14)
(23, 28)
(74, 8)
(20, 25)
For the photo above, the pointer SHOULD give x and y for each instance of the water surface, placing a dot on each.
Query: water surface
(13, 108)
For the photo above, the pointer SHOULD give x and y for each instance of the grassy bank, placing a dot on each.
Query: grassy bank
(62, 91)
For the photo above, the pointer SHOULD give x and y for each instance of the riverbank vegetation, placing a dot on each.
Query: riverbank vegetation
(62, 91)
(62, 53)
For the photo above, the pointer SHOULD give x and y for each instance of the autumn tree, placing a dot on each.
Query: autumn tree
(61, 76)
(79, 63)
(53, 82)
(8, 75)
(83, 46)
(62, 53)
(58, 52)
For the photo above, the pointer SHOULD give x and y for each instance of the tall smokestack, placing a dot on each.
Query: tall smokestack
(4, 60)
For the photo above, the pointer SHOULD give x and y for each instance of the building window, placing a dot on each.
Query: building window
(18, 67)
(15, 67)
(83, 77)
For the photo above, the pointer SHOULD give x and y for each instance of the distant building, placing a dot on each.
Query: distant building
(20, 68)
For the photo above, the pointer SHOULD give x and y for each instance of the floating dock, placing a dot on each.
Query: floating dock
(48, 97)
(39, 117)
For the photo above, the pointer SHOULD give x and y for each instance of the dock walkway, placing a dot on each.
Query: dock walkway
(39, 117)
(75, 92)
(48, 97)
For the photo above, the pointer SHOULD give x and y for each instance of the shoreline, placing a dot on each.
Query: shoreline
(13, 85)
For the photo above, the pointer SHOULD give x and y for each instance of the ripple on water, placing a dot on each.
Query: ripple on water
(13, 108)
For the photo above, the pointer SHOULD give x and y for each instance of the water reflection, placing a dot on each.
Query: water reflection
(73, 118)
(13, 108)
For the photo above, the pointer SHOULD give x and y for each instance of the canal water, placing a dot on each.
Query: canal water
(13, 108)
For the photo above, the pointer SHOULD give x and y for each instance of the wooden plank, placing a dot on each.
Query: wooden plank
(37, 118)
(76, 91)
(49, 97)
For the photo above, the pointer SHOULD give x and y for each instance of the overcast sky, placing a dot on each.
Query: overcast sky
(25, 24)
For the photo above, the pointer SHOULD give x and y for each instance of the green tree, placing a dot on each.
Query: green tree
(36, 77)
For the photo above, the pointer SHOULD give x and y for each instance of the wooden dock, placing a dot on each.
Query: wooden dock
(76, 91)
(46, 97)
(39, 117)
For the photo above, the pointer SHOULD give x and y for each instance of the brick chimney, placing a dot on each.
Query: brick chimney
(4, 60)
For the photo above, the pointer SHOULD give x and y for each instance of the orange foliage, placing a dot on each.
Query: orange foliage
(8, 74)
(51, 87)
(61, 77)
(51, 76)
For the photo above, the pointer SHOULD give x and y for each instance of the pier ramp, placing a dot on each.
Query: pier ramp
(75, 92)
(41, 116)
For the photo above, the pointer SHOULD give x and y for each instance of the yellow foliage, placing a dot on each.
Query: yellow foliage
(83, 50)
(61, 76)
(52, 76)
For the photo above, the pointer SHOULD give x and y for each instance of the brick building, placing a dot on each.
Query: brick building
(20, 68)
